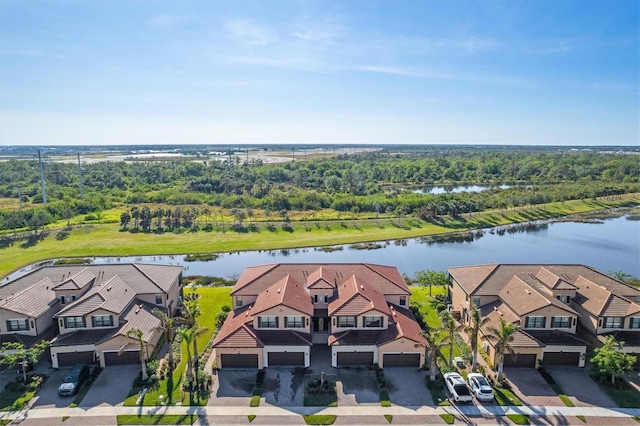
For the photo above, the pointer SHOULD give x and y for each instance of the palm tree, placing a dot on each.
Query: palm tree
(435, 341)
(138, 334)
(473, 330)
(167, 325)
(502, 338)
(449, 325)
(190, 335)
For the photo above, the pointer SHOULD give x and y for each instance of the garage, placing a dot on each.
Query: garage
(285, 358)
(520, 360)
(67, 359)
(355, 358)
(561, 358)
(401, 360)
(239, 360)
(127, 357)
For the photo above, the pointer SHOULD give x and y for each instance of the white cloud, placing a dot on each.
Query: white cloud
(248, 32)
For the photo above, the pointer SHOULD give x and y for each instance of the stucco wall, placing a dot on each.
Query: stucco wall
(55, 350)
(336, 329)
(549, 312)
(281, 312)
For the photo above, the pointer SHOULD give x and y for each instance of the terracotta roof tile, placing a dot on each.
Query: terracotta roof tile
(356, 297)
(402, 323)
(285, 292)
(237, 332)
(471, 277)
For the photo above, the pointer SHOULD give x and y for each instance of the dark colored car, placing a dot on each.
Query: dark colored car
(73, 380)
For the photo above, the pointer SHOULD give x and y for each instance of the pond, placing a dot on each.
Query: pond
(610, 245)
(457, 189)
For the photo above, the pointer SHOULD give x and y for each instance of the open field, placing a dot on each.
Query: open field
(106, 239)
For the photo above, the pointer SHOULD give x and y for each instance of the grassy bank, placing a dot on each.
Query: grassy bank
(108, 240)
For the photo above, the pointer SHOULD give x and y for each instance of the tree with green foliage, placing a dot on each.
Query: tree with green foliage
(16, 353)
(137, 334)
(472, 329)
(431, 278)
(449, 326)
(502, 337)
(39, 219)
(609, 360)
(435, 342)
(167, 326)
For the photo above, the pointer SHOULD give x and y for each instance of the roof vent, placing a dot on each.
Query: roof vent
(108, 288)
(278, 290)
(527, 291)
(138, 307)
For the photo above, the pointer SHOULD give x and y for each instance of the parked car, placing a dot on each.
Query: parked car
(73, 380)
(457, 387)
(480, 386)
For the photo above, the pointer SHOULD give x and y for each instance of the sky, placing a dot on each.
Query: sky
(544, 72)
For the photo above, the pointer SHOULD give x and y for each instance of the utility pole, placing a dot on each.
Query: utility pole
(80, 178)
(44, 189)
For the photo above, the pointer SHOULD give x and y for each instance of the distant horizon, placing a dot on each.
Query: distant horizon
(501, 72)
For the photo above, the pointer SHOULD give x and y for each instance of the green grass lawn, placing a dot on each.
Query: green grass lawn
(519, 419)
(623, 396)
(16, 396)
(506, 397)
(211, 301)
(320, 419)
(106, 239)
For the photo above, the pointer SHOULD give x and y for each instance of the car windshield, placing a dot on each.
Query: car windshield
(485, 391)
(70, 378)
(461, 390)
(482, 381)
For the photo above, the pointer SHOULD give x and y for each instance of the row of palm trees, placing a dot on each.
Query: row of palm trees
(437, 338)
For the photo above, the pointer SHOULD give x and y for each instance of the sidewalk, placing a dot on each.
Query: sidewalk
(467, 410)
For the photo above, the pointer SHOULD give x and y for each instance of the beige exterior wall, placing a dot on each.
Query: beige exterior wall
(336, 349)
(281, 312)
(321, 292)
(395, 299)
(587, 320)
(6, 315)
(55, 350)
(88, 321)
(246, 300)
(151, 298)
(549, 312)
(236, 351)
(114, 345)
(46, 320)
(305, 349)
(458, 296)
(336, 329)
(626, 322)
(401, 346)
(68, 294)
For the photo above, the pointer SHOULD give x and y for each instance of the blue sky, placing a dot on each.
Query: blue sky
(433, 72)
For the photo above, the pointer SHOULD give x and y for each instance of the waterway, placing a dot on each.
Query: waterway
(612, 245)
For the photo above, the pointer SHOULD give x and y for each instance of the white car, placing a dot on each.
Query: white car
(480, 386)
(457, 387)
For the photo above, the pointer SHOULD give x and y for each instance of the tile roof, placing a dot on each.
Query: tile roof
(139, 315)
(113, 295)
(81, 337)
(32, 301)
(321, 278)
(402, 323)
(601, 301)
(142, 278)
(355, 297)
(355, 337)
(556, 337)
(495, 310)
(237, 332)
(283, 337)
(385, 279)
(285, 292)
(522, 339)
(77, 281)
(470, 277)
(630, 338)
(553, 281)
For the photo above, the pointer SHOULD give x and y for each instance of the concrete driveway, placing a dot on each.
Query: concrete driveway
(112, 386)
(232, 387)
(47, 396)
(407, 386)
(579, 387)
(284, 386)
(531, 387)
(357, 386)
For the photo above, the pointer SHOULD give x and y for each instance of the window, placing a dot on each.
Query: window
(560, 322)
(613, 322)
(74, 322)
(102, 321)
(476, 300)
(315, 298)
(238, 301)
(17, 325)
(73, 297)
(372, 321)
(634, 322)
(535, 322)
(326, 298)
(158, 299)
(403, 300)
(268, 322)
(346, 321)
(62, 300)
(293, 322)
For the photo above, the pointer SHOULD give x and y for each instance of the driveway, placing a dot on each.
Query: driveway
(407, 386)
(579, 387)
(357, 386)
(112, 386)
(47, 396)
(531, 387)
(284, 386)
(232, 387)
